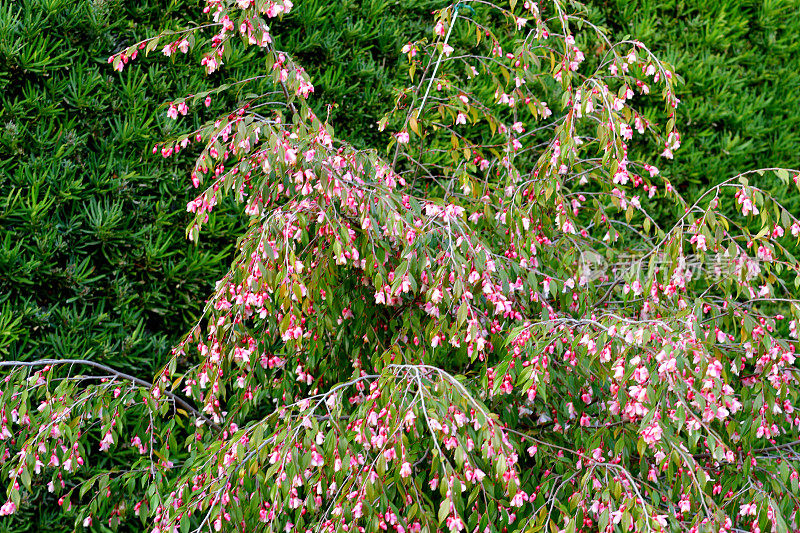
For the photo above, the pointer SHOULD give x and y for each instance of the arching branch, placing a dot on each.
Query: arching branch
(115, 373)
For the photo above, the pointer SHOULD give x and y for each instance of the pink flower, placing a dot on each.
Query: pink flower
(519, 499)
(700, 241)
(380, 297)
(137, 442)
(454, 523)
(652, 433)
(402, 137)
(436, 296)
(390, 454)
(8, 508)
(748, 509)
(172, 112)
(637, 287)
(107, 441)
(305, 89)
(210, 63)
(317, 459)
(405, 470)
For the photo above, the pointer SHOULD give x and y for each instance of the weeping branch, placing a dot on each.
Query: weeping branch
(115, 374)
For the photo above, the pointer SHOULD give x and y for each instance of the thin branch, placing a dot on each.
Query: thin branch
(115, 373)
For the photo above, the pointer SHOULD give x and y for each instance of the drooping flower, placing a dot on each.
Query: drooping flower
(107, 441)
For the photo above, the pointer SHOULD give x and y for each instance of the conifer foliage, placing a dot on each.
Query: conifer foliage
(480, 327)
(93, 258)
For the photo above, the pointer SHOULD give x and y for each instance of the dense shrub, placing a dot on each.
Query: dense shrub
(426, 337)
(93, 260)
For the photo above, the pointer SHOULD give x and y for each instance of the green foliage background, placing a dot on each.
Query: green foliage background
(740, 104)
(93, 260)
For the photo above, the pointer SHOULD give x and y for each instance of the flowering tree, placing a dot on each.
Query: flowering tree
(480, 327)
